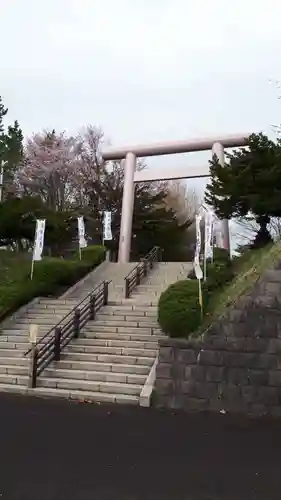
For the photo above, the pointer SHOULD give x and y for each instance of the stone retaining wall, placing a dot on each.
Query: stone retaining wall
(236, 367)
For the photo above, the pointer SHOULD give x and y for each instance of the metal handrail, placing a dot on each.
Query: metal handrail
(133, 278)
(59, 336)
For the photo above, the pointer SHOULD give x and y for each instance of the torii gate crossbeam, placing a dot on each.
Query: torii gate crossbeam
(130, 155)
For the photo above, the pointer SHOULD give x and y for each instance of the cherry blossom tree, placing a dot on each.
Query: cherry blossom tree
(48, 169)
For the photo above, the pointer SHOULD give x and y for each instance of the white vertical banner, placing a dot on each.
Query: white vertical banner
(196, 263)
(107, 232)
(197, 267)
(208, 244)
(38, 242)
(81, 233)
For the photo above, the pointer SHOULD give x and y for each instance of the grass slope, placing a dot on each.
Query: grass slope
(248, 269)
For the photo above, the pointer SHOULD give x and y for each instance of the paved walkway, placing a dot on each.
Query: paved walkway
(58, 450)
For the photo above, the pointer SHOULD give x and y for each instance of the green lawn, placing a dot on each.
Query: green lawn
(51, 276)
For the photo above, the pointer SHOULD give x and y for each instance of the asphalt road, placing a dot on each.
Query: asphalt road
(59, 450)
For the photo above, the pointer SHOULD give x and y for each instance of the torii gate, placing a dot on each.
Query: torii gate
(131, 153)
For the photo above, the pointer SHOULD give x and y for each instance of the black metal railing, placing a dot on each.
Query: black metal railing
(134, 277)
(49, 347)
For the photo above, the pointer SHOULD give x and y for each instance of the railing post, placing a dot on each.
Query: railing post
(105, 293)
(57, 344)
(151, 263)
(92, 307)
(127, 291)
(138, 276)
(33, 367)
(144, 267)
(76, 321)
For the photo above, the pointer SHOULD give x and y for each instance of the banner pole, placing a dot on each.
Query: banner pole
(32, 269)
(200, 297)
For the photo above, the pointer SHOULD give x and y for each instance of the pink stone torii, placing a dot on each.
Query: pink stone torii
(131, 153)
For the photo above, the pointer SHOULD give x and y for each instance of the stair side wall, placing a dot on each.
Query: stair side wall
(236, 367)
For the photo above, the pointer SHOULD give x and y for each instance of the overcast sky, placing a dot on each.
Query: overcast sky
(144, 70)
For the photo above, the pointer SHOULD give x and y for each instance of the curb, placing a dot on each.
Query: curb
(21, 311)
(82, 281)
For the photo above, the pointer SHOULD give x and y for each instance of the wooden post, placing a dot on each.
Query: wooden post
(105, 293)
(76, 320)
(127, 291)
(144, 267)
(33, 367)
(138, 276)
(57, 344)
(92, 306)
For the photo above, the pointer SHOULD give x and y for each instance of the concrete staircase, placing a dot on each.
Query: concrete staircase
(114, 358)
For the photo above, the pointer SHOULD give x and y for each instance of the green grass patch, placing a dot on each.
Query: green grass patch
(247, 269)
(51, 276)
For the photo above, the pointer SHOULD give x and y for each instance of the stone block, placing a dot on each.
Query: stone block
(198, 373)
(272, 276)
(194, 404)
(229, 392)
(214, 373)
(188, 387)
(258, 410)
(275, 378)
(164, 386)
(274, 411)
(215, 343)
(255, 345)
(163, 370)
(212, 358)
(178, 370)
(187, 356)
(268, 395)
(264, 361)
(166, 354)
(258, 377)
(237, 376)
(274, 346)
(205, 390)
(250, 394)
(239, 359)
(273, 288)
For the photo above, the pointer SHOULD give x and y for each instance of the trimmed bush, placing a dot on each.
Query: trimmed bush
(51, 276)
(93, 254)
(179, 312)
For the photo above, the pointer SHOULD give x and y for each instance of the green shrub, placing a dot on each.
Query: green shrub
(93, 255)
(219, 273)
(221, 255)
(179, 312)
(50, 276)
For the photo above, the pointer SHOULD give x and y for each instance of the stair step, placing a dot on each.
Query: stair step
(50, 321)
(132, 344)
(13, 353)
(121, 336)
(14, 361)
(103, 367)
(135, 318)
(12, 345)
(123, 323)
(121, 329)
(87, 396)
(55, 302)
(127, 351)
(13, 369)
(12, 379)
(89, 385)
(13, 388)
(95, 376)
(107, 358)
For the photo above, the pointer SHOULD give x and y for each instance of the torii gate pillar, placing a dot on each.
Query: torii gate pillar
(224, 242)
